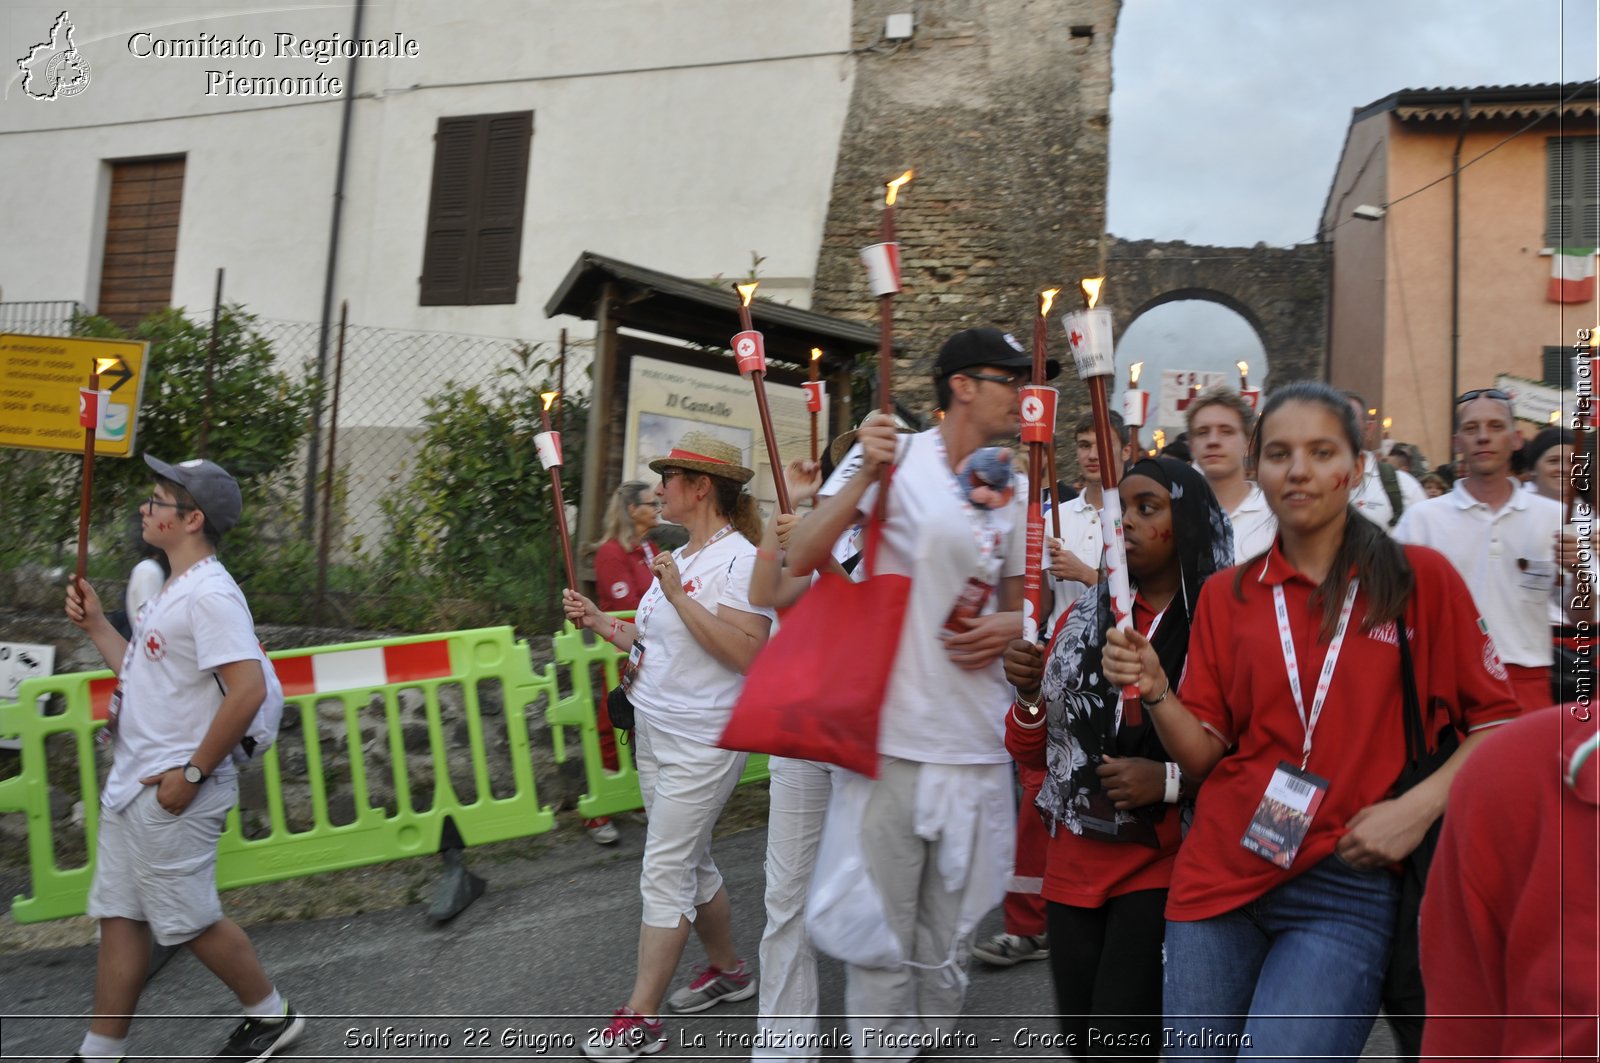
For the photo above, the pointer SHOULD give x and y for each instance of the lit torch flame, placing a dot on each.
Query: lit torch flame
(747, 292)
(1091, 289)
(1388, 423)
(1244, 367)
(816, 352)
(1133, 374)
(1161, 439)
(1045, 299)
(105, 365)
(894, 188)
(549, 397)
(1555, 416)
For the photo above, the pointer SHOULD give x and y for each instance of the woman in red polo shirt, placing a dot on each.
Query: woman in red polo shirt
(1107, 781)
(1282, 903)
(621, 576)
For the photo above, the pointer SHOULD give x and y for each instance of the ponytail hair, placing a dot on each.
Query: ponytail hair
(739, 507)
(1366, 550)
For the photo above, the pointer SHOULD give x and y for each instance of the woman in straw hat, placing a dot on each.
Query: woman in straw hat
(694, 636)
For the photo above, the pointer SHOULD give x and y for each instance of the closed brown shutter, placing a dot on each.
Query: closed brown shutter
(141, 239)
(475, 210)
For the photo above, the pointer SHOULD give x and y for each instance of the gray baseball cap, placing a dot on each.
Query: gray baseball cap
(213, 489)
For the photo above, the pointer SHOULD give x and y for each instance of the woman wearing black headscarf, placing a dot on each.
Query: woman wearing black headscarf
(1109, 785)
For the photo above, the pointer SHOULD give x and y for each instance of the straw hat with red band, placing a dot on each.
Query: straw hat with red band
(702, 452)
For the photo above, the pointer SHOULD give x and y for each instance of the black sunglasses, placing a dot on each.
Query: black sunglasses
(1012, 380)
(1482, 393)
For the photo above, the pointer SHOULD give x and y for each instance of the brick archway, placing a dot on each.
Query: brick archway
(1282, 293)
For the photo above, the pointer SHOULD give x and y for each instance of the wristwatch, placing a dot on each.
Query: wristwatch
(192, 774)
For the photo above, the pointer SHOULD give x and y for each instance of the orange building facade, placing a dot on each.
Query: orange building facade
(1445, 230)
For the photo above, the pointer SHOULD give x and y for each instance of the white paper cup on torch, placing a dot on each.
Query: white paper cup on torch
(883, 268)
(1252, 395)
(548, 446)
(91, 407)
(1089, 339)
(750, 353)
(1135, 407)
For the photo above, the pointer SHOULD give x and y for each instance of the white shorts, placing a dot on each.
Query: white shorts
(161, 869)
(684, 784)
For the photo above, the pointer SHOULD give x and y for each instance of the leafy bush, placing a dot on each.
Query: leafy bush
(472, 533)
(259, 418)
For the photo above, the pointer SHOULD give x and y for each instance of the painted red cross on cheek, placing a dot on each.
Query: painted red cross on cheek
(1343, 482)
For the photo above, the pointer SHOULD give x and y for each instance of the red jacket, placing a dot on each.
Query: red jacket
(1510, 942)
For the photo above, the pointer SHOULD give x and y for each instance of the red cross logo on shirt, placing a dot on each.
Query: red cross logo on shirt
(155, 647)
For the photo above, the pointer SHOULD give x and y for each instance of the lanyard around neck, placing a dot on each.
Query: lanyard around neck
(1291, 662)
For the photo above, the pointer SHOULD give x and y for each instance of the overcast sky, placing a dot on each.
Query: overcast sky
(1228, 116)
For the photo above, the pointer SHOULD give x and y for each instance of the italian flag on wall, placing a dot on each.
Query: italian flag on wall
(1571, 275)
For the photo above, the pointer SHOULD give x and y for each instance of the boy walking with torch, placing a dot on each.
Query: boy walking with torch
(189, 685)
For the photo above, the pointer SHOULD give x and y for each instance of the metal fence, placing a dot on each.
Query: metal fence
(385, 382)
(373, 423)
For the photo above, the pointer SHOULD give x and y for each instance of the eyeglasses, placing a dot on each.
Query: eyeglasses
(153, 502)
(1482, 393)
(1009, 380)
(668, 474)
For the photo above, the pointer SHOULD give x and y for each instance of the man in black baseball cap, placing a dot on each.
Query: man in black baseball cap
(973, 350)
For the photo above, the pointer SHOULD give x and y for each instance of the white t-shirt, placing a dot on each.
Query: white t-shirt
(144, 583)
(1080, 531)
(1372, 501)
(170, 691)
(1254, 526)
(935, 712)
(1506, 557)
(681, 688)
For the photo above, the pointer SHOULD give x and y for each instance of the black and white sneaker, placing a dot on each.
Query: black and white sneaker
(257, 1039)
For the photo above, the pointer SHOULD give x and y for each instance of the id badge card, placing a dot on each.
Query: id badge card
(631, 668)
(1284, 815)
(969, 606)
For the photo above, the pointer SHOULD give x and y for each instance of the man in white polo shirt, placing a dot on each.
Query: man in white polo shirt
(1220, 422)
(934, 830)
(1504, 541)
(189, 683)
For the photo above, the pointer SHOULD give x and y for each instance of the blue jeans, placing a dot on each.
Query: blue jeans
(1297, 972)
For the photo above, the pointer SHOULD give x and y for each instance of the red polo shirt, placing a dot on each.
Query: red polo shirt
(621, 576)
(1236, 684)
(1086, 872)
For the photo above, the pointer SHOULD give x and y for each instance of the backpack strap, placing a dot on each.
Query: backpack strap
(1391, 487)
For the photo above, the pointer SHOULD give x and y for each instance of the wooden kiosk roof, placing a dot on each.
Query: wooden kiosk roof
(616, 294)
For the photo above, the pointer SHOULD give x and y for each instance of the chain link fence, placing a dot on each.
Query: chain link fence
(346, 552)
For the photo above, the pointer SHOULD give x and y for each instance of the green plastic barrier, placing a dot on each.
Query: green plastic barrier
(609, 792)
(356, 683)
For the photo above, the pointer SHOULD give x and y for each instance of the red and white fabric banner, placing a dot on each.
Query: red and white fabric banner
(1571, 275)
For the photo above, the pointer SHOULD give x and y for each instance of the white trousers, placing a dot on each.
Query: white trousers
(684, 784)
(890, 1007)
(787, 1025)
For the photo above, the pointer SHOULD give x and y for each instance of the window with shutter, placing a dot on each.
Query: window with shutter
(475, 210)
(141, 239)
(1558, 368)
(1572, 192)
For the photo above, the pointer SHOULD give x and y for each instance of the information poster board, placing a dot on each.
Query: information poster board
(40, 378)
(666, 400)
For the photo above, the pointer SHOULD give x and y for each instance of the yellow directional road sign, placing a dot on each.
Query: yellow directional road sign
(39, 381)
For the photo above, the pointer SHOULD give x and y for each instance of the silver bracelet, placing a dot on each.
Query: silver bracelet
(1153, 702)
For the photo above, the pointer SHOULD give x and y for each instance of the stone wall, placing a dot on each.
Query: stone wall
(1284, 293)
(1002, 107)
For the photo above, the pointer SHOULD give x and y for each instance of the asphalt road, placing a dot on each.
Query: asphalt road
(522, 974)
